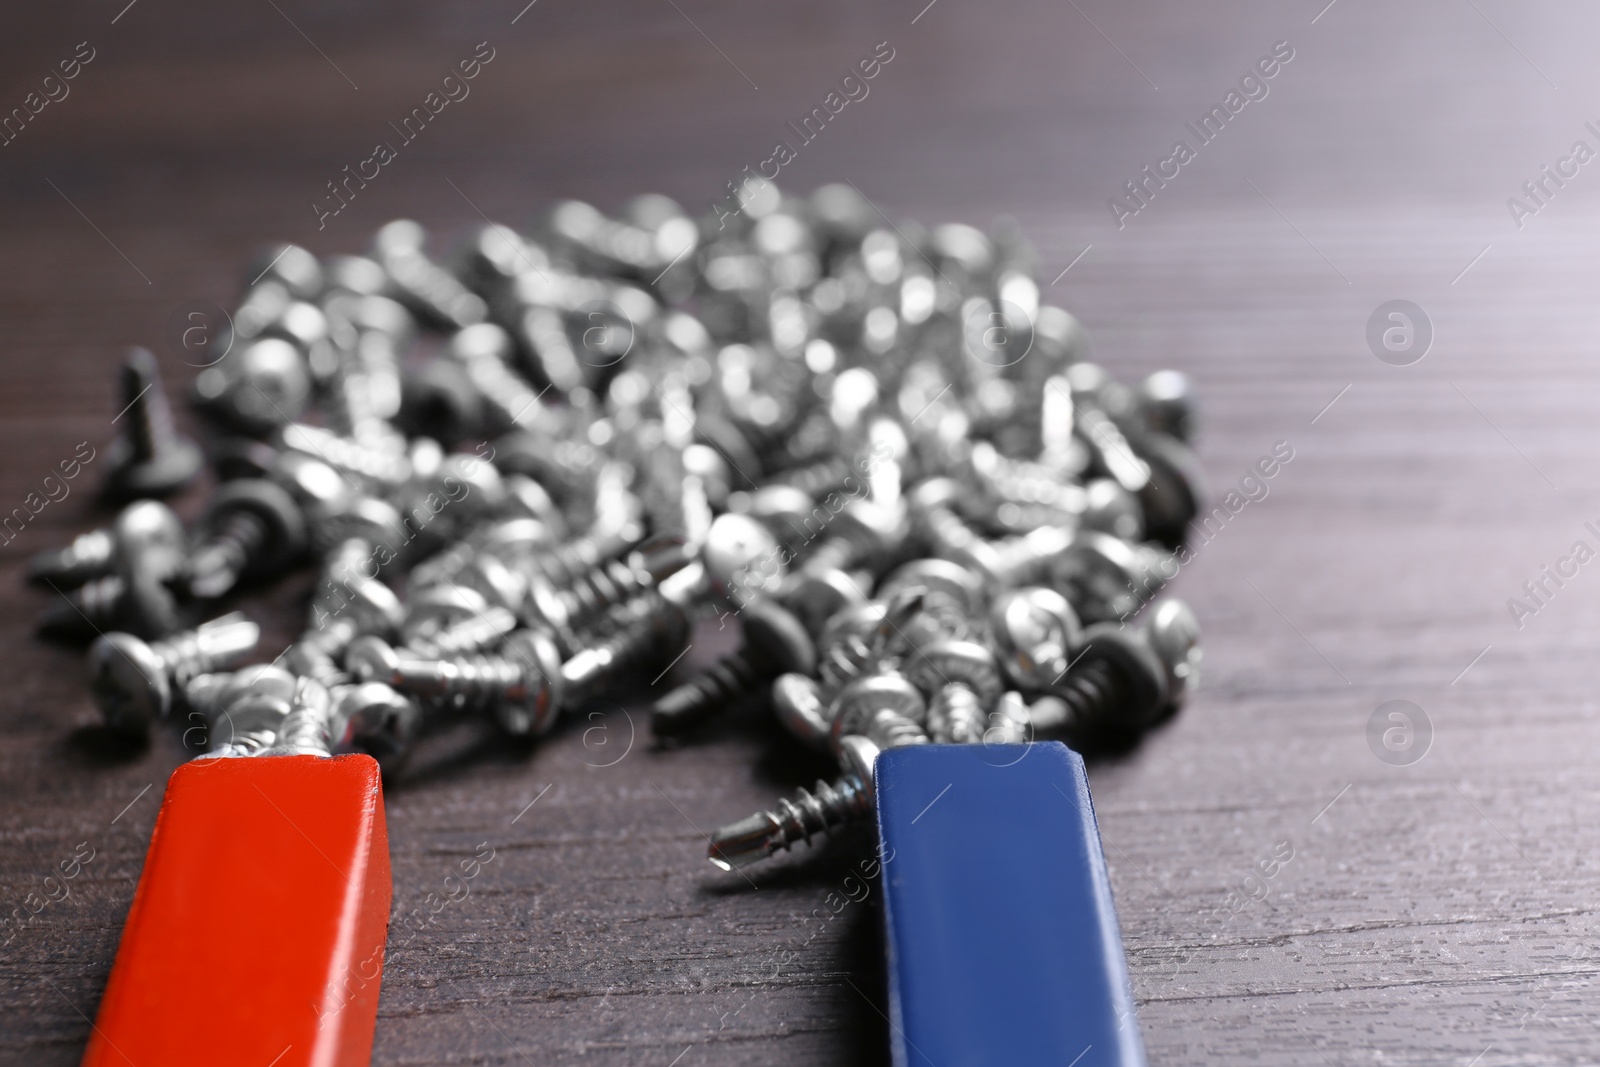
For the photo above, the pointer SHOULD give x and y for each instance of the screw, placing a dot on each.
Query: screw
(242, 710)
(775, 643)
(813, 813)
(1036, 635)
(89, 555)
(1106, 578)
(138, 604)
(1166, 400)
(885, 708)
(1017, 561)
(150, 458)
(962, 680)
(522, 687)
(423, 285)
(252, 528)
(1120, 682)
(383, 471)
(146, 531)
(264, 385)
(798, 701)
(133, 681)
(378, 721)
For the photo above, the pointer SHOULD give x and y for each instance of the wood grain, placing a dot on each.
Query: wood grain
(1439, 912)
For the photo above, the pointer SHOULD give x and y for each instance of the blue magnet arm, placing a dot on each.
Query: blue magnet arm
(1003, 942)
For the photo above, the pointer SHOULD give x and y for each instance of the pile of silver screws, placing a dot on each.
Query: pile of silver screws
(529, 468)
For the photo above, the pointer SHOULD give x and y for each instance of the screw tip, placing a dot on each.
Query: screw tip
(750, 840)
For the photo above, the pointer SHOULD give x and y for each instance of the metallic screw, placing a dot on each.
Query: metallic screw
(243, 710)
(885, 708)
(137, 603)
(133, 682)
(962, 680)
(1127, 680)
(812, 813)
(252, 528)
(150, 458)
(142, 549)
(522, 687)
(424, 286)
(1036, 634)
(308, 729)
(775, 643)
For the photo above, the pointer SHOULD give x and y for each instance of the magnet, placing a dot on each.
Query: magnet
(1003, 943)
(257, 931)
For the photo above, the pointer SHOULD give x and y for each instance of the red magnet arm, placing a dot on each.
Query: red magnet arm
(256, 934)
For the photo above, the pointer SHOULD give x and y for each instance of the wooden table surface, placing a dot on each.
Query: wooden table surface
(1436, 912)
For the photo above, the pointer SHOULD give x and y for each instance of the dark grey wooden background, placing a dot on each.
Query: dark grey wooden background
(1440, 912)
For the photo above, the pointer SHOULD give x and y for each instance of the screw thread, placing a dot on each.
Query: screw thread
(601, 588)
(731, 678)
(651, 627)
(844, 660)
(308, 728)
(385, 469)
(956, 715)
(149, 426)
(890, 729)
(564, 565)
(1092, 694)
(218, 563)
(813, 813)
(468, 683)
(476, 633)
(207, 648)
(89, 556)
(309, 657)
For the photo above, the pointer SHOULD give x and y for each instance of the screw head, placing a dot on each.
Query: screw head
(1167, 401)
(1173, 632)
(378, 721)
(370, 659)
(290, 266)
(741, 557)
(1100, 575)
(435, 608)
(859, 756)
(938, 577)
(779, 638)
(1173, 495)
(865, 697)
(1036, 634)
(530, 707)
(950, 662)
(150, 532)
(172, 467)
(267, 386)
(798, 701)
(129, 682)
(320, 488)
